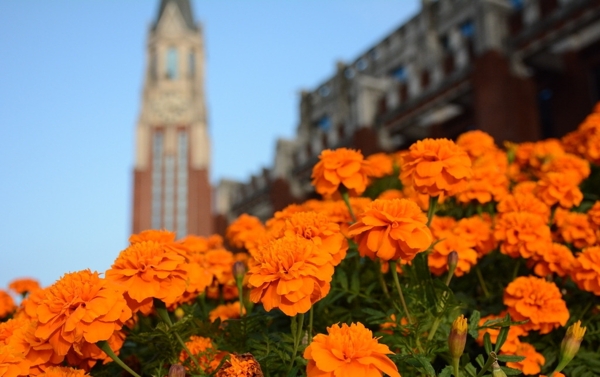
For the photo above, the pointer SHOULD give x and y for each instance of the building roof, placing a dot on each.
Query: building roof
(184, 7)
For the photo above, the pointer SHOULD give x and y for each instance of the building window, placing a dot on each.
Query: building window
(182, 183)
(362, 64)
(157, 156)
(400, 74)
(324, 123)
(172, 63)
(516, 4)
(192, 64)
(153, 67)
(169, 192)
(545, 111)
(467, 29)
(324, 91)
(349, 73)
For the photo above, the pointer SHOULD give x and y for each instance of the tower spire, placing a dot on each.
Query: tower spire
(185, 8)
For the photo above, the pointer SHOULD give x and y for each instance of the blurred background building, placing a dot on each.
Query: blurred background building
(518, 70)
(171, 175)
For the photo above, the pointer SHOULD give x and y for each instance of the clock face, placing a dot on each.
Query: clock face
(169, 107)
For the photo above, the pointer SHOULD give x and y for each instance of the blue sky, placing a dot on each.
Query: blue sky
(71, 74)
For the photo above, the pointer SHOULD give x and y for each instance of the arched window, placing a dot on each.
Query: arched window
(191, 64)
(172, 63)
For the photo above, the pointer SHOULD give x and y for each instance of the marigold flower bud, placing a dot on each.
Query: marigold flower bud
(458, 337)
(179, 313)
(497, 371)
(452, 262)
(570, 344)
(177, 370)
(239, 270)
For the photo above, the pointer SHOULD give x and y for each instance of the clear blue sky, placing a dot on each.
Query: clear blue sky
(71, 73)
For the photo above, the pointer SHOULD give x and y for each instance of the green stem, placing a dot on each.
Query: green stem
(455, 362)
(310, 322)
(431, 210)
(488, 363)
(386, 292)
(482, 282)
(240, 287)
(399, 288)
(164, 315)
(103, 345)
(299, 318)
(516, 270)
(346, 198)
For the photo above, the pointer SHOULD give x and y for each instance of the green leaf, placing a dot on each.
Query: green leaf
(426, 365)
(474, 323)
(470, 370)
(487, 343)
(510, 358)
(446, 372)
(511, 371)
(501, 338)
(343, 278)
(480, 360)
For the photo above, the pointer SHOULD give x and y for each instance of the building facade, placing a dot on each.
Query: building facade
(519, 70)
(171, 188)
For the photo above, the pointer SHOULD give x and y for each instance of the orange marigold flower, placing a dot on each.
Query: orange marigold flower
(381, 164)
(476, 143)
(438, 258)
(391, 230)
(585, 141)
(24, 285)
(532, 364)
(7, 304)
(556, 374)
(391, 194)
(342, 166)
(422, 200)
(586, 270)
(200, 245)
(20, 335)
(321, 230)
(290, 273)
(577, 169)
(337, 210)
(244, 230)
(522, 234)
(558, 260)
(12, 363)
(80, 309)
(525, 187)
(489, 180)
(205, 352)
(534, 155)
(534, 299)
(147, 270)
(524, 202)
(348, 351)
(575, 228)
(436, 166)
(594, 214)
(442, 226)
(244, 365)
(512, 342)
(477, 230)
(559, 188)
(225, 312)
(63, 372)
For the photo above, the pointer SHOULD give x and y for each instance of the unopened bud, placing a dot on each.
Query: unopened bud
(177, 370)
(239, 270)
(570, 344)
(179, 313)
(458, 337)
(497, 371)
(452, 262)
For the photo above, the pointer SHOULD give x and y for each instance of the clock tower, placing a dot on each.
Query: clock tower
(171, 176)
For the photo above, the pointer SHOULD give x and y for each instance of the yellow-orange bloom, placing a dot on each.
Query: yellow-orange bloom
(7, 304)
(290, 273)
(225, 312)
(321, 230)
(391, 230)
(577, 169)
(205, 352)
(586, 270)
(585, 141)
(435, 167)
(559, 188)
(244, 230)
(342, 166)
(80, 309)
(24, 286)
(391, 194)
(558, 259)
(438, 258)
(12, 363)
(348, 351)
(147, 270)
(575, 228)
(489, 180)
(524, 202)
(63, 372)
(244, 365)
(594, 215)
(476, 143)
(532, 364)
(534, 299)
(381, 164)
(477, 230)
(522, 234)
